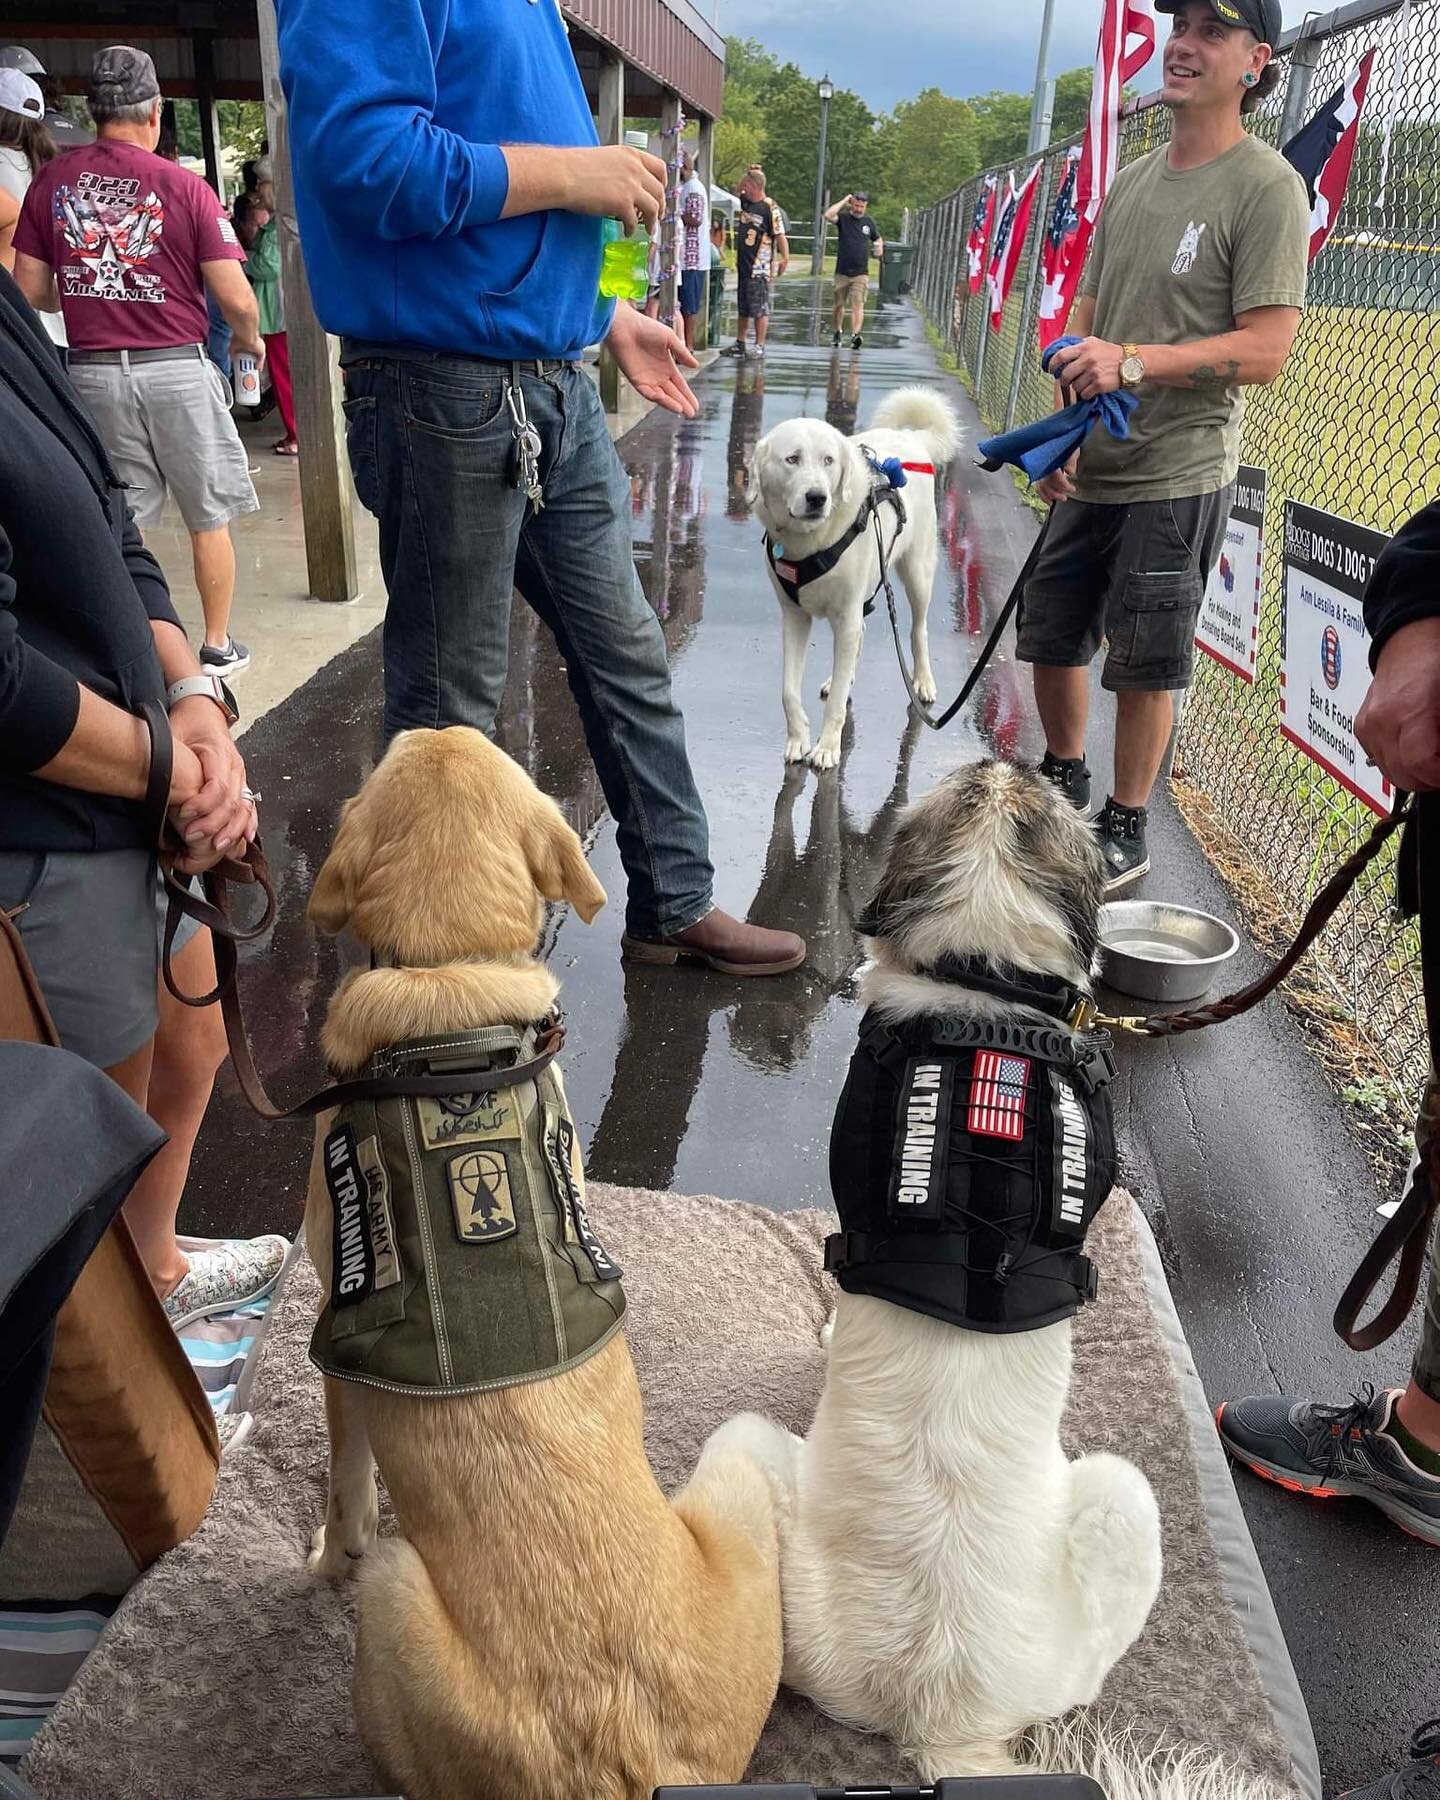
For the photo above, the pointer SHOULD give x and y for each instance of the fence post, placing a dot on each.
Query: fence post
(1304, 59)
(1037, 258)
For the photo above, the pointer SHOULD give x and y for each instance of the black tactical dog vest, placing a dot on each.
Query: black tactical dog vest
(967, 1159)
(463, 1257)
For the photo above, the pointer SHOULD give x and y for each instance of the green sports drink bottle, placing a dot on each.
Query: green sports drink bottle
(624, 264)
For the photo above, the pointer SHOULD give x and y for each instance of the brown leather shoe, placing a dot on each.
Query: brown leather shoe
(732, 946)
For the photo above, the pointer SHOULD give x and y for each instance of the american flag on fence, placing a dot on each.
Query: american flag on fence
(980, 228)
(1127, 42)
(1324, 151)
(997, 1095)
(1010, 232)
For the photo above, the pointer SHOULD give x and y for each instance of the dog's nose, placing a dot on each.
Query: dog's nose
(815, 500)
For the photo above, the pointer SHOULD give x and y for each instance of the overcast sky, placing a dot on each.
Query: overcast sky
(887, 53)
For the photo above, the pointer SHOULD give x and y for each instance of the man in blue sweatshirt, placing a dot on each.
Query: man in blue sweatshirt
(450, 190)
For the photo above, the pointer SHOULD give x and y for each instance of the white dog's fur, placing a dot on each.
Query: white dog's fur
(795, 465)
(949, 1576)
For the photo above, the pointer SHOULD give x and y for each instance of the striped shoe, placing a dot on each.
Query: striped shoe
(224, 1276)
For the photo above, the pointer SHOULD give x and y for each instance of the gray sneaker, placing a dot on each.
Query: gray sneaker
(1314, 1449)
(232, 660)
(1418, 1780)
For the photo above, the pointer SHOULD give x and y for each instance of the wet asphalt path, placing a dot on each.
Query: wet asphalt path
(1231, 1139)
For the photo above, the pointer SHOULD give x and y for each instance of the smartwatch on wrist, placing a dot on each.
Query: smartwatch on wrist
(203, 687)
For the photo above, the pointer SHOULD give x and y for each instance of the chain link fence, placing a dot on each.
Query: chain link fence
(1351, 427)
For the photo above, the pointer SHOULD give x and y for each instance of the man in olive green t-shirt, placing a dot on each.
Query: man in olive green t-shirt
(1193, 292)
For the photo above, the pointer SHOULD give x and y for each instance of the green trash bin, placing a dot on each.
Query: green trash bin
(896, 268)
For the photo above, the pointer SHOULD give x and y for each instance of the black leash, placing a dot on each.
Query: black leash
(992, 643)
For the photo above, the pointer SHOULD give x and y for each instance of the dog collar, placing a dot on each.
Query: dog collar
(1045, 993)
(794, 573)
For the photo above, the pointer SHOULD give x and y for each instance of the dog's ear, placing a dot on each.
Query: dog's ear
(754, 475)
(853, 475)
(337, 886)
(557, 861)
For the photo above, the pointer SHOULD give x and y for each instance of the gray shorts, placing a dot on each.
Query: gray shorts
(753, 300)
(90, 921)
(1134, 575)
(167, 427)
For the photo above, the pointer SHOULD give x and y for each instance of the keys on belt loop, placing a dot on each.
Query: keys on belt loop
(526, 445)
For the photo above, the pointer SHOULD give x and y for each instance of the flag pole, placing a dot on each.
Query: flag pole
(1039, 134)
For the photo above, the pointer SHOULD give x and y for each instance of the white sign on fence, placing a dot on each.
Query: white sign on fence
(1229, 627)
(1325, 666)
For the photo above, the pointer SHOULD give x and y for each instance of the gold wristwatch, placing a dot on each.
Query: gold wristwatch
(1132, 369)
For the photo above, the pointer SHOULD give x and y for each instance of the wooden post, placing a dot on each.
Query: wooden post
(326, 495)
(705, 170)
(202, 45)
(611, 127)
(669, 229)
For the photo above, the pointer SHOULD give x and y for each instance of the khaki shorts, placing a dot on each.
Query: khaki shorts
(849, 288)
(167, 426)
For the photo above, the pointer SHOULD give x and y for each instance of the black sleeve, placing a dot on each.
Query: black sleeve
(148, 577)
(39, 701)
(1405, 584)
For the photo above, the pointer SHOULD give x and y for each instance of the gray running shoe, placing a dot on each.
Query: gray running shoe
(1314, 1449)
(1418, 1780)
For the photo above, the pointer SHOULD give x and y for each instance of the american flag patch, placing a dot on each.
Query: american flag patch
(997, 1095)
(786, 571)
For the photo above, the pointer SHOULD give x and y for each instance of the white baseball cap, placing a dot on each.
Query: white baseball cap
(16, 56)
(19, 94)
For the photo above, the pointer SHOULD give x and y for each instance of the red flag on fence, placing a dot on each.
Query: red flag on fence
(1324, 151)
(1127, 42)
(1010, 229)
(980, 228)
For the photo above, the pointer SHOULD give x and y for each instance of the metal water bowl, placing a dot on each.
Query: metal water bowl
(1157, 951)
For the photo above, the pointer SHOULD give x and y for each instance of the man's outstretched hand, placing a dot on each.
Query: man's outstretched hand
(651, 356)
(1399, 724)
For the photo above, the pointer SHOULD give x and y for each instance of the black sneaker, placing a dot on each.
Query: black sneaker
(835, 341)
(1122, 844)
(736, 349)
(1314, 1449)
(230, 661)
(1418, 1780)
(856, 341)
(1071, 774)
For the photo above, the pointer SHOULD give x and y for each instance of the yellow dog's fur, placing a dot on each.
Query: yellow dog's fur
(548, 1623)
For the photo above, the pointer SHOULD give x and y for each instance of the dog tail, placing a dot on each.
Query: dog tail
(922, 410)
(1130, 1768)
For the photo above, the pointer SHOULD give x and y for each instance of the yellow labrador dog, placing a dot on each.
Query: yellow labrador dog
(547, 1622)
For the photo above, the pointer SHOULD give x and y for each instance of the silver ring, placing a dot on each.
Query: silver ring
(250, 795)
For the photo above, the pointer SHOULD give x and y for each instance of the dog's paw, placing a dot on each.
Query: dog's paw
(797, 749)
(328, 1558)
(826, 754)
(827, 1333)
(925, 688)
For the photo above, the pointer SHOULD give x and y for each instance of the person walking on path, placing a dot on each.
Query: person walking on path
(133, 242)
(451, 222)
(1192, 293)
(262, 267)
(859, 240)
(761, 247)
(695, 245)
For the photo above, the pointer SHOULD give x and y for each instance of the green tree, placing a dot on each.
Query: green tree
(930, 146)
(1072, 104)
(1004, 126)
(737, 145)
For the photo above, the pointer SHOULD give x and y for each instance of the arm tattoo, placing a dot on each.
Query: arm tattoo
(1205, 376)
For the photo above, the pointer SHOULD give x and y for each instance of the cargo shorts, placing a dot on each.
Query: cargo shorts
(1133, 575)
(1427, 1357)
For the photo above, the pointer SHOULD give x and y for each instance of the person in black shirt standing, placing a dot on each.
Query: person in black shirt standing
(761, 246)
(859, 238)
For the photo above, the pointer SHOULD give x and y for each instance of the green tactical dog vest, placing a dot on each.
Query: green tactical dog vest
(463, 1258)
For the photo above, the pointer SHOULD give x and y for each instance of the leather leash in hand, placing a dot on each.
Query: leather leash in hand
(214, 912)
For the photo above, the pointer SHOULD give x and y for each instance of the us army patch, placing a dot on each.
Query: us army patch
(385, 1250)
(480, 1194)
(469, 1119)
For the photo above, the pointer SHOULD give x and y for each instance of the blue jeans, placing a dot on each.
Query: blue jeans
(430, 445)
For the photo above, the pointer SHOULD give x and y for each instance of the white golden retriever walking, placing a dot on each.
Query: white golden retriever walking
(809, 487)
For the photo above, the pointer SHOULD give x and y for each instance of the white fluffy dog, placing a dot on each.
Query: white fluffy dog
(808, 486)
(949, 1576)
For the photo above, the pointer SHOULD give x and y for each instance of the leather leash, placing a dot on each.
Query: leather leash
(213, 911)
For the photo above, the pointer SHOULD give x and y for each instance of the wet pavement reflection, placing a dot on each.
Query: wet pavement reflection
(681, 1077)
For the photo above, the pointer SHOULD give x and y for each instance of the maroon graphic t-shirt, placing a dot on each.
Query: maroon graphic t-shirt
(126, 232)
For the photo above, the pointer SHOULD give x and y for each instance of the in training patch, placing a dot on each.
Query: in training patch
(917, 1189)
(998, 1086)
(469, 1119)
(352, 1269)
(604, 1265)
(385, 1252)
(480, 1194)
(1071, 1161)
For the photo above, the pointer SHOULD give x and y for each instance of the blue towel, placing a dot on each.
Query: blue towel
(1049, 443)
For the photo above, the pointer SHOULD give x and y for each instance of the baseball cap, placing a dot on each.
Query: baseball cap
(16, 56)
(264, 170)
(859, 194)
(1262, 17)
(122, 76)
(19, 94)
